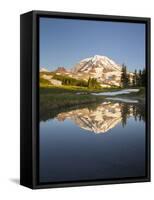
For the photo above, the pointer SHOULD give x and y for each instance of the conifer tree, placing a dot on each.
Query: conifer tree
(143, 78)
(124, 77)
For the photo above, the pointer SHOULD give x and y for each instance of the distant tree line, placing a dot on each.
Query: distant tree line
(138, 79)
(70, 81)
(92, 83)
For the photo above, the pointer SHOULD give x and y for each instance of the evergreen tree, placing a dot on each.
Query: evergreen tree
(143, 78)
(129, 80)
(125, 79)
(92, 83)
(89, 82)
(134, 82)
(140, 78)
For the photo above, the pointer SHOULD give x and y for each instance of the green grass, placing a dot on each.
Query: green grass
(47, 73)
(54, 99)
(58, 98)
(73, 89)
(44, 82)
(65, 96)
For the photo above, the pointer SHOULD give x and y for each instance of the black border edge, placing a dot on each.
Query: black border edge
(88, 16)
(148, 94)
(26, 143)
(35, 93)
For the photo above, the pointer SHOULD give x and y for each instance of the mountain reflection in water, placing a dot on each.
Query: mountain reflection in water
(68, 152)
(102, 118)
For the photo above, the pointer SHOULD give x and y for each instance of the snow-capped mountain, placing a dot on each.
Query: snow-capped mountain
(105, 70)
(96, 64)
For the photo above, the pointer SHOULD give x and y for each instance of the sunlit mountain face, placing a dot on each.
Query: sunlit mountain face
(102, 118)
(99, 120)
(105, 70)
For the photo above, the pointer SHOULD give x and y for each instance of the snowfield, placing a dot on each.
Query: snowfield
(125, 91)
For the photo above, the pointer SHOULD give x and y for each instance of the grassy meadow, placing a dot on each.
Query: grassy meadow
(52, 97)
(58, 98)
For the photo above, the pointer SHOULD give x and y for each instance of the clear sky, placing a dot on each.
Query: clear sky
(64, 42)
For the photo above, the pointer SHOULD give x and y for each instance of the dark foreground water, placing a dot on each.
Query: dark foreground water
(98, 142)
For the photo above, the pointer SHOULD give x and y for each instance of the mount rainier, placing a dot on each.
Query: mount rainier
(106, 71)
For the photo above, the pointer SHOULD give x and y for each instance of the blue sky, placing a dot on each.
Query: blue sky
(64, 42)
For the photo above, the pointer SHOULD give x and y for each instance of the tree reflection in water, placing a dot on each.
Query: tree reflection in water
(98, 118)
(135, 110)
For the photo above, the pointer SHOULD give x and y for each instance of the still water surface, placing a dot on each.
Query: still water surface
(95, 142)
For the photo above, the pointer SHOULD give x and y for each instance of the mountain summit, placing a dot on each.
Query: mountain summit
(105, 70)
(96, 63)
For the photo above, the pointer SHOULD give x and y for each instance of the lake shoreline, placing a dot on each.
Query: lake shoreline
(56, 100)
